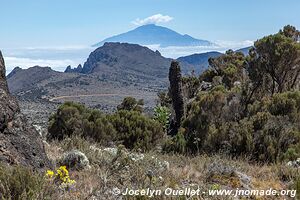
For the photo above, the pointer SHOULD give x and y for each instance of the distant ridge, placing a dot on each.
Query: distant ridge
(152, 34)
(199, 60)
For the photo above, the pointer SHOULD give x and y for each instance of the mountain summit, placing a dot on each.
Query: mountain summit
(152, 34)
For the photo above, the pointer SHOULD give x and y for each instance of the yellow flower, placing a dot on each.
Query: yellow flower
(49, 174)
(62, 174)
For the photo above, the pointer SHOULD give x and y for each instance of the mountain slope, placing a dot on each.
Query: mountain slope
(199, 61)
(152, 34)
(28, 78)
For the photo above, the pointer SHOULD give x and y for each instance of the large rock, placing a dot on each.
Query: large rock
(20, 143)
(75, 160)
(228, 176)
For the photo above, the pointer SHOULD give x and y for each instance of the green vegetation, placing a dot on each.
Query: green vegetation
(127, 126)
(19, 183)
(130, 103)
(228, 68)
(136, 131)
(251, 107)
(162, 115)
(241, 106)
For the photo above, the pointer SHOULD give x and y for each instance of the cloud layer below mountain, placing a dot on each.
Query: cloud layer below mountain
(56, 57)
(59, 57)
(222, 46)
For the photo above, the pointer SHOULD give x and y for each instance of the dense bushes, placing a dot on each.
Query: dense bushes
(135, 130)
(76, 119)
(128, 127)
(269, 132)
(252, 107)
(214, 124)
(17, 183)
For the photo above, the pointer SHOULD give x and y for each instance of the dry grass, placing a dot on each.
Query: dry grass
(108, 172)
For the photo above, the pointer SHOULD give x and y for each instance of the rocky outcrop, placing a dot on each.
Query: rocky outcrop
(78, 69)
(20, 143)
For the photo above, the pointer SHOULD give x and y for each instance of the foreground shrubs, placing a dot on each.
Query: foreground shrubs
(128, 127)
(270, 133)
(20, 183)
(17, 182)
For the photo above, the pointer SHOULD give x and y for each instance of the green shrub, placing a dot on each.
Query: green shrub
(17, 183)
(136, 131)
(130, 103)
(75, 119)
(176, 144)
(228, 66)
(128, 127)
(162, 115)
(270, 132)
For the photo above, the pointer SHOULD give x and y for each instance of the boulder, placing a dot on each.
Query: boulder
(228, 176)
(20, 143)
(75, 160)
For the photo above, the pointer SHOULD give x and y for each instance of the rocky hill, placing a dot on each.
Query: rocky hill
(27, 79)
(20, 143)
(126, 59)
(128, 62)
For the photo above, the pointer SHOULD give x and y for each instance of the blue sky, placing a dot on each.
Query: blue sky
(77, 23)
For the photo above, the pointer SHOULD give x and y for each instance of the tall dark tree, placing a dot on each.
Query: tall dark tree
(274, 63)
(176, 95)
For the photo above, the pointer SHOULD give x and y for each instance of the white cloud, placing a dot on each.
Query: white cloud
(235, 44)
(177, 51)
(154, 19)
